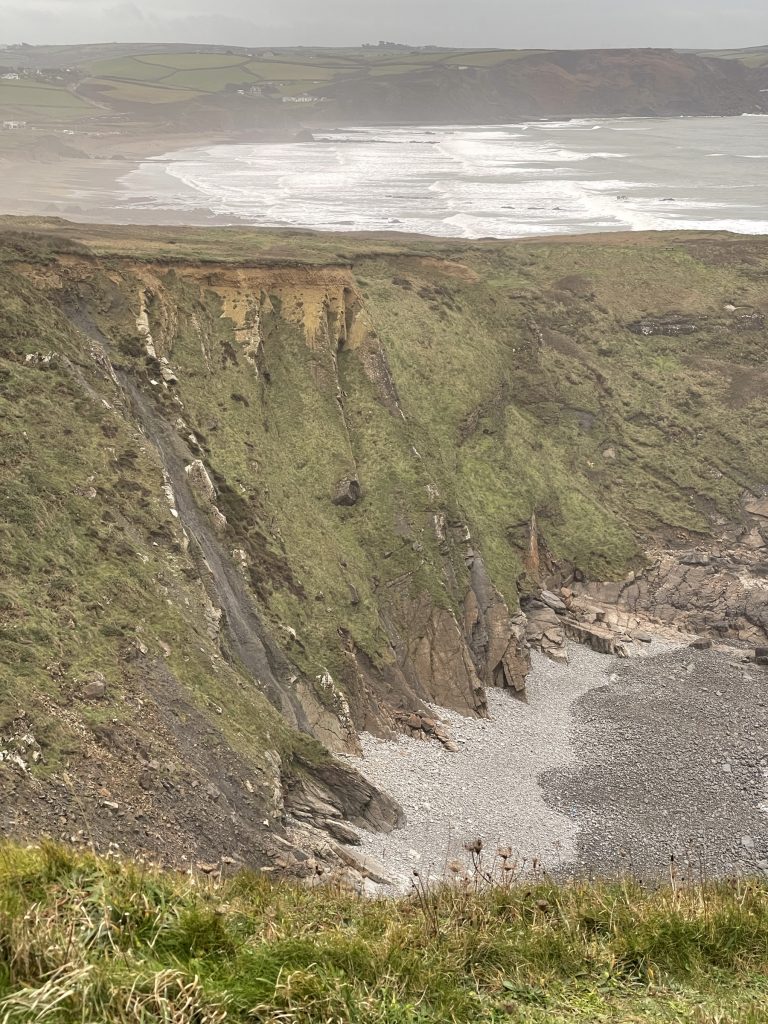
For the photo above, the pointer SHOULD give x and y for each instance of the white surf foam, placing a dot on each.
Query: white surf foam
(502, 180)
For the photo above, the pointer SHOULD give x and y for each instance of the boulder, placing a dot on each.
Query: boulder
(95, 688)
(553, 601)
(761, 655)
(702, 643)
(348, 492)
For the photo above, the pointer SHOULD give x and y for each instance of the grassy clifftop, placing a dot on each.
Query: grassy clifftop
(84, 939)
(181, 413)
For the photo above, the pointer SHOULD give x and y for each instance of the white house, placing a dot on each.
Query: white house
(305, 99)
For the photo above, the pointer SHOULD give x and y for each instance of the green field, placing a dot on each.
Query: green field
(33, 100)
(88, 940)
(172, 77)
(138, 92)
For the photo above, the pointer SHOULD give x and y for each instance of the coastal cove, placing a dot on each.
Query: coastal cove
(504, 181)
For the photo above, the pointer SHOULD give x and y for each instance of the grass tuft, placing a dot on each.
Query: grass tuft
(83, 939)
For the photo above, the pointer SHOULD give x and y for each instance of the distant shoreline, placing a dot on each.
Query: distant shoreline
(46, 173)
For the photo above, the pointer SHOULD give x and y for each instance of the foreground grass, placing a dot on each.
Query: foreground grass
(83, 939)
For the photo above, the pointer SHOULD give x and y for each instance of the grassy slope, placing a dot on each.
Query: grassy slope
(82, 939)
(515, 372)
(93, 566)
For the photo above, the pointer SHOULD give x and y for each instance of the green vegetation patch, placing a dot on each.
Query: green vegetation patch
(84, 939)
(47, 102)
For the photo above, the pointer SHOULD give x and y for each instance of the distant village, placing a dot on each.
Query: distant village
(50, 76)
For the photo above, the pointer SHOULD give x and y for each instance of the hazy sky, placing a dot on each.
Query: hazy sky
(502, 23)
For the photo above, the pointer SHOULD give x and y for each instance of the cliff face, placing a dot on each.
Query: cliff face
(578, 83)
(261, 498)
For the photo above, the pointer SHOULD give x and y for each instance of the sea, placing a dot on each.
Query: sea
(504, 181)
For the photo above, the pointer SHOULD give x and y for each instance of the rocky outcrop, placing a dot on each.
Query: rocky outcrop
(348, 492)
(438, 662)
(719, 590)
(496, 638)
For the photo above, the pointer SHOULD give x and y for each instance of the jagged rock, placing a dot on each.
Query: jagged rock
(544, 626)
(343, 833)
(436, 659)
(757, 506)
(596, 635)
(761, 655)
(348, 492)
(559, 654)
(696, 558)
(352, 796)
(219, 519)
(207, 869)
(200, 481)
(751, 321)
(726, 598)
(366, 866)
(496, 638)
(553, 601)
(45, 362)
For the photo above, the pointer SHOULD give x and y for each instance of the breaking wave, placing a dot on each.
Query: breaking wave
(503, 181)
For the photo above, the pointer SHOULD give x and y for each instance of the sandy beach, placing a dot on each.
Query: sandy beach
(78, 176)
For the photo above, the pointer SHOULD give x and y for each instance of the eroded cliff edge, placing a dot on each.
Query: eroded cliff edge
(261, 493)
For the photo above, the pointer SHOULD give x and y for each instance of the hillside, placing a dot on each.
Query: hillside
(263, 491)
(127, 90)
